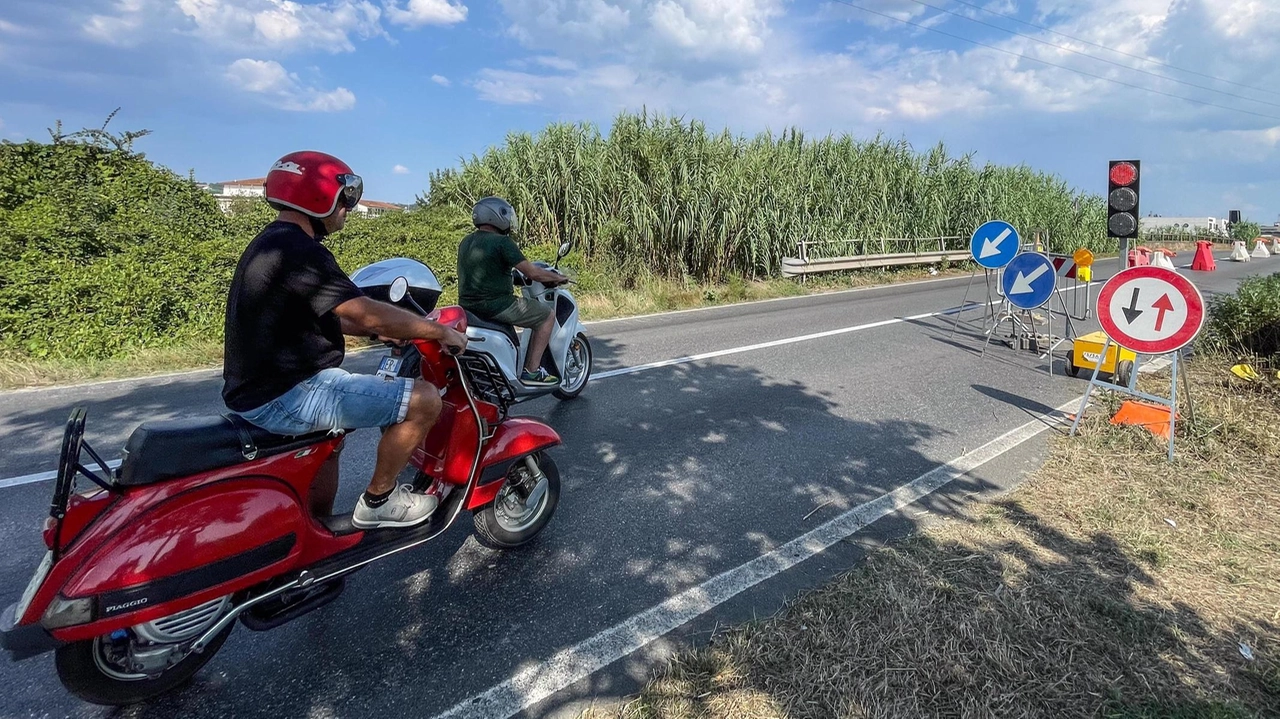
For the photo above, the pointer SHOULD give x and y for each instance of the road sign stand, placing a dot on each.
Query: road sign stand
(988, 310)
(1150, 311)
(1132, 389)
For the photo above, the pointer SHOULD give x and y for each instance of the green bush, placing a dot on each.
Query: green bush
(1245, 231)
(103, 253)
(1247, 322)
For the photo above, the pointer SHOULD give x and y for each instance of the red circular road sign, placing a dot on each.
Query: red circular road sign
(1152, 310)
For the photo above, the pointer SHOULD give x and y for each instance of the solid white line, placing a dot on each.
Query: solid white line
(831, 293)
(213, 370)
(45, 476)
(786, 341)
(535, 683)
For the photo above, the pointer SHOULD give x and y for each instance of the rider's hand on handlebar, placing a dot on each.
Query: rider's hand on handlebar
(454, 342)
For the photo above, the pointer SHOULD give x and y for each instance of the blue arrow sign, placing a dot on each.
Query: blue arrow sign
(1029, 280)
(994, 244)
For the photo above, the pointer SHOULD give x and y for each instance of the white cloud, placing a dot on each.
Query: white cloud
(121, 29)
(440, 80)
(426, 12)
(10, 28)
(508, 88)
(278, 25)
(400, 170)
(283, 89)
(283, 25)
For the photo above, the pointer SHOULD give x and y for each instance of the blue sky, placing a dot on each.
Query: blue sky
(401, 87)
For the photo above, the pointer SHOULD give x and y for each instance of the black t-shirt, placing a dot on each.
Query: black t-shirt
(280, 326)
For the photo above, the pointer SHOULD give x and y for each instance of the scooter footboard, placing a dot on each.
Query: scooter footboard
(514, 439)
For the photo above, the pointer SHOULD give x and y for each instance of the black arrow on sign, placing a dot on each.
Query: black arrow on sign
(1132, 312)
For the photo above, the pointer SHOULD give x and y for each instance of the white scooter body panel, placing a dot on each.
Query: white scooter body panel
(497, 345)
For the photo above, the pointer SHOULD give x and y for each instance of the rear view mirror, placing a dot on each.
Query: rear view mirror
(399, 287)
(564, 250)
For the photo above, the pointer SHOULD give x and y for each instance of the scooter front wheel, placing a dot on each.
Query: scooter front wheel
(508, 522)
(577, 368)
(98, 670)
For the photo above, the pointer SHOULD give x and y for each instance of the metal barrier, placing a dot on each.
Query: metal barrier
(892, 252)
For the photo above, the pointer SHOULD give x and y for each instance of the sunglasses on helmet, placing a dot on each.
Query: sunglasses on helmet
(352, 190)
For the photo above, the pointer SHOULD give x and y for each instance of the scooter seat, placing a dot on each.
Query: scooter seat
(508, 330)
(159, 451)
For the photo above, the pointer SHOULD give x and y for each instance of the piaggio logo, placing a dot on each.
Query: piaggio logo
(127, 605)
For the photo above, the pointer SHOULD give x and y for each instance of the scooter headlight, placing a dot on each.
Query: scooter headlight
(63, 612)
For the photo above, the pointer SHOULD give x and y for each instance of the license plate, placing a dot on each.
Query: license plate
(389, 367)
(33, 585)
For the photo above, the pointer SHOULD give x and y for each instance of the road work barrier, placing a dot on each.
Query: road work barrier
(1238, 251)
(1203, 261)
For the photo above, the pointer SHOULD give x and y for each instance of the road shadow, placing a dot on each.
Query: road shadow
(669, 477)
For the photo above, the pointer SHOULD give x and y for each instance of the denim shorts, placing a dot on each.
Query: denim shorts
(334, 399)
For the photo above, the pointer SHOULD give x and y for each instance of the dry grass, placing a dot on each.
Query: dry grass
(655, 296)
(1072, 596)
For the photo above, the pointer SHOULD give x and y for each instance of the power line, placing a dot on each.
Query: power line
(1060, 67)
(1095, 57)
(1118, 52)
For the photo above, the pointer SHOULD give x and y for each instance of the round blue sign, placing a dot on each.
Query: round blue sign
(1029, 280)
(994, 244)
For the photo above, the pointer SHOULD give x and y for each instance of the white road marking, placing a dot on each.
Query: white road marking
(45, 476)
(218, 369)
(538, 682)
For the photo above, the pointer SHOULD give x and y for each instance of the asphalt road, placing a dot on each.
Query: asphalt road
(672, 475)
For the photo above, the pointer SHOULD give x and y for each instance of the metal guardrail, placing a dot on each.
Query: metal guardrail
(892, 252)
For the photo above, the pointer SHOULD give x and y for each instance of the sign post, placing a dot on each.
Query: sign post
(991, 246)
(1153, 311)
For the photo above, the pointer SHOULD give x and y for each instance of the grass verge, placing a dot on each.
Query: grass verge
(654, 296)
(1109, 584)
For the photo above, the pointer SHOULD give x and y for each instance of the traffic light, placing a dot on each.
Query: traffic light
(1122, 199)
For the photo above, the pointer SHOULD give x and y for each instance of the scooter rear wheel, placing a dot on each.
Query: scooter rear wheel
(81, 670)
(503, 524)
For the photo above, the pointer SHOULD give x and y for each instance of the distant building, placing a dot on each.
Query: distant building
(226, 193)
(1196, 225)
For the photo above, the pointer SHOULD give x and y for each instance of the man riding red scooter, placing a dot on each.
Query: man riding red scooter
(213, 519)
(288, 308)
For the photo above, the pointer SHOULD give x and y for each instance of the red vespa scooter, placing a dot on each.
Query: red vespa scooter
(209, 521)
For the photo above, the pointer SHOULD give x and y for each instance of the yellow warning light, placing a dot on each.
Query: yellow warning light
(1083, 258)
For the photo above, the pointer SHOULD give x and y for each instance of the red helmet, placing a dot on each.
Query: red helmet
(313, 183)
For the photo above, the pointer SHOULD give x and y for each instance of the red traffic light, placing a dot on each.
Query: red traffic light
(1123, 173)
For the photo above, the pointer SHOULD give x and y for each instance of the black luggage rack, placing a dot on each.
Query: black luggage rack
(69, 466)
(486, 379)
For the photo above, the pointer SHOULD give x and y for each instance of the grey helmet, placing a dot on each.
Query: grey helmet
(497, 212)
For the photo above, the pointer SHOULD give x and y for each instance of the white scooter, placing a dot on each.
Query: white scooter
(495, 352)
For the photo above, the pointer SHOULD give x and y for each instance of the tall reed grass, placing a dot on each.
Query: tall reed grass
(662, 196)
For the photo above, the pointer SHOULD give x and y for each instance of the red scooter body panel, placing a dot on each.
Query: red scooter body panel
(516, 437)
(194, 529)
(156, 531)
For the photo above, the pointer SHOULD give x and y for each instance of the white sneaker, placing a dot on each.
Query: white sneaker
(404, 508)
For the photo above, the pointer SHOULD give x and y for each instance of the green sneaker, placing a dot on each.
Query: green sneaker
(539, 377)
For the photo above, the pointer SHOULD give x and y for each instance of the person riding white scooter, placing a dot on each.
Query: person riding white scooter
(486, 287)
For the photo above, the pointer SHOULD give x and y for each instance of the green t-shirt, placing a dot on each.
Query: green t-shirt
(485, 260)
